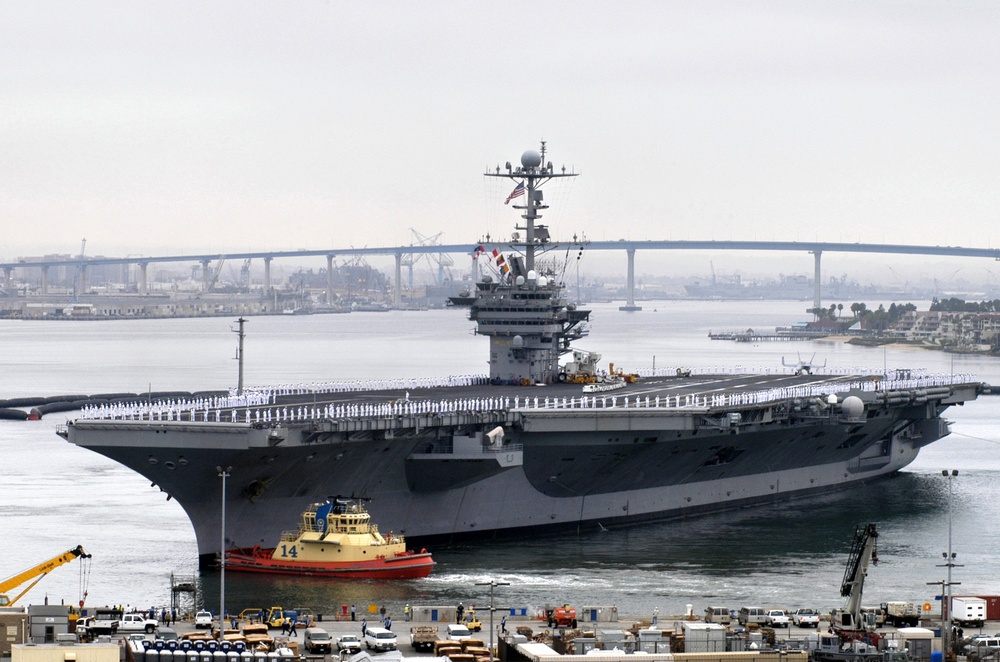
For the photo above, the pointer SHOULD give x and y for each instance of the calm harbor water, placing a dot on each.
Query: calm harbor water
(54, 496)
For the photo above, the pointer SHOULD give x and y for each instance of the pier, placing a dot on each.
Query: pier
(767, 336)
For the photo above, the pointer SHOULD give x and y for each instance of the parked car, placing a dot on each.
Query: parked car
(806, 618)
(317, 640)
(777, 618)
(350, 643)
(203, 619)
(166, 634)
(717, 615)
(979, 649)
(380, 639)
(751, 615)
(458, 632)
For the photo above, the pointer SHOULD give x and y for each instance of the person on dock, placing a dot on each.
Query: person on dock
(291, 630)
(656, 614)
(352, 612)
(364, 627)
(503, 625)
(406, 612)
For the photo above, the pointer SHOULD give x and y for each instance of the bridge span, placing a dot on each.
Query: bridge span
(630, 247)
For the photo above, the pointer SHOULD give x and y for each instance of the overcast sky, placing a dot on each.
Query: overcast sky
(152, 127)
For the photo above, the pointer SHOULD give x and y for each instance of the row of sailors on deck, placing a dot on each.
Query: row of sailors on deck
(365, 385)
(181, 410)
(861, 371)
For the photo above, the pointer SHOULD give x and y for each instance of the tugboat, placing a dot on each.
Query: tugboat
(336, 539)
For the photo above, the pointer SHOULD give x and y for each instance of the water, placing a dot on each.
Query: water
(54, 496)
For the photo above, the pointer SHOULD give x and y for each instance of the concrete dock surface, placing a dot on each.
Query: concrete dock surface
(401, 629)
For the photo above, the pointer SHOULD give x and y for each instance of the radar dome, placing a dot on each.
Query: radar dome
(531, 159)
(519, 280)
(517, 342)
(852, 407)
(532, 275)
(542, 281)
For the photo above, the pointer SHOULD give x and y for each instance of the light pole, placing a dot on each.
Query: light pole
(492, 584)
(224, 473)
(949, 562)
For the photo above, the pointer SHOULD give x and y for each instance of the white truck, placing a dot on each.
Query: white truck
(968, 611)
(901, 614)
(137, 623)
(805, 618)
(777, 618)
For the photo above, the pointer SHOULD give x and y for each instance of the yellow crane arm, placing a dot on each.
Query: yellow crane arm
(36, 574)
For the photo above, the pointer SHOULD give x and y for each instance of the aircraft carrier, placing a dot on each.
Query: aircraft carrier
(536, 446)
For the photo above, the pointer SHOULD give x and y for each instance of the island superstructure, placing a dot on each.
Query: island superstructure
(524, 312)
(522, 450)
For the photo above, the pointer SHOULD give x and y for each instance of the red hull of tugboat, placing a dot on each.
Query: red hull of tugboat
(410, 565)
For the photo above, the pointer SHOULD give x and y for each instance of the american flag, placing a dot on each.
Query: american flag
(518, 190)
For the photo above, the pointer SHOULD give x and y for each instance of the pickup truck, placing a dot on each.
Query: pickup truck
(101, 621)
(422, 637)
(805, 618)
(137, 623)
(776, 618)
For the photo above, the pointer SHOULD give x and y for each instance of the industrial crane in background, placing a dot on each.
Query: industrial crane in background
(443, 261)
(215, 275)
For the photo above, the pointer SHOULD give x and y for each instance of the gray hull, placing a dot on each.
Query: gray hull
(441, 478)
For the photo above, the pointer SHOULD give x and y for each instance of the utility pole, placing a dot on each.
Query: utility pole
(949, 562)
(223, 473)
(492, 584)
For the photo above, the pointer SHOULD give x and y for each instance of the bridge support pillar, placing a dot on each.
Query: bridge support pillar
(329, 280)
(8, 280)
(83, 279)
(204, 275)
(630, 303)
(267, 275)
(397, 297)
(817, 279)
(45, 279)
(143, 282)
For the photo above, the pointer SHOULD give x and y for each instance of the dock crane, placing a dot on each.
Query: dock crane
(852, 636)
(36, 573)
(848, 622)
